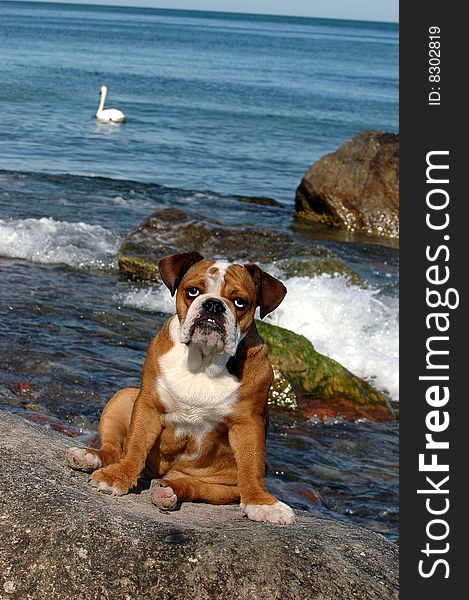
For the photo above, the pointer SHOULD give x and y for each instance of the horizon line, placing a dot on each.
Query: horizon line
(195, 10)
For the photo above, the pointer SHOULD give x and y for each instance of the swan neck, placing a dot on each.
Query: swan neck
(102, 100)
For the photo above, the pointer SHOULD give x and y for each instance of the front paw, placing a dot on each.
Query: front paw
(112, 479)
(278, 513)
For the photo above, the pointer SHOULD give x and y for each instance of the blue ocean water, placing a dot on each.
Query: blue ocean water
(219, 106)
(236, 104)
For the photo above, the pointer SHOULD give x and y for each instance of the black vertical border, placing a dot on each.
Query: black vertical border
(425, 128)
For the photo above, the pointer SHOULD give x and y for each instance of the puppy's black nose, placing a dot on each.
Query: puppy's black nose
(213, 306)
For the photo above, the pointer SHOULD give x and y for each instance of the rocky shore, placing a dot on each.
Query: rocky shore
(61, 539)
(355, 188)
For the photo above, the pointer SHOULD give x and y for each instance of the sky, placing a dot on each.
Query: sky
(366, 10)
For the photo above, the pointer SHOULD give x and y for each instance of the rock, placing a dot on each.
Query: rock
(317, 266)
(26, 390)
(260, 200)
(281, 394)
(323, 388)
(355, 188)
(62, 539)
(172, 230)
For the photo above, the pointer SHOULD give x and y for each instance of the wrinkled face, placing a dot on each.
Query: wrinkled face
(215, 303)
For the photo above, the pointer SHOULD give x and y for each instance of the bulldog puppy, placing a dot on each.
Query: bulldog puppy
(197, 421)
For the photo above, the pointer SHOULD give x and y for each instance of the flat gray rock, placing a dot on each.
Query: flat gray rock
(59, 538)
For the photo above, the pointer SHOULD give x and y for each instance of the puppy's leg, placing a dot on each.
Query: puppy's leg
(113, 430)
(246, 438)
(145, 428)
(167, 492)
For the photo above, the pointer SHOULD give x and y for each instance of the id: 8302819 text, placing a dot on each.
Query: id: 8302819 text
(434, 68)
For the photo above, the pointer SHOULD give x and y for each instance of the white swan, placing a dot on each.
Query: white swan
(110, 114)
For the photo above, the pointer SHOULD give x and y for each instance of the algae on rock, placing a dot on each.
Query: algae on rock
(322, 386)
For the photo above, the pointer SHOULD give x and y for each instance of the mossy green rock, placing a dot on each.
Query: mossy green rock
(317, 266)
(281, 394)
(322, 386)
(138, 268)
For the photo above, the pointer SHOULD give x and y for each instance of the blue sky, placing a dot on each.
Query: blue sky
(370, 10)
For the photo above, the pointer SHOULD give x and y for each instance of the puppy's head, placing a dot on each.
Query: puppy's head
(216, 300)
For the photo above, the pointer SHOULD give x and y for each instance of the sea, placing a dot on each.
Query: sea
(220, 106)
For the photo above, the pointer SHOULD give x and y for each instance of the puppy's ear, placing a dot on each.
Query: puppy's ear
(270, 291)
(173, 268)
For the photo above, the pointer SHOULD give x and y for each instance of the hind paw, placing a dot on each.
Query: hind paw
(81, 459)
(162, 495)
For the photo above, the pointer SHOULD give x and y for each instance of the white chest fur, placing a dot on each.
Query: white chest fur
(197, 391)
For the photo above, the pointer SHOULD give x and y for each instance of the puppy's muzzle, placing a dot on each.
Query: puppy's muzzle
(210, 325)
(211, 316)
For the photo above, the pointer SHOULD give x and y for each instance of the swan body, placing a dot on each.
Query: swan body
(112, 115)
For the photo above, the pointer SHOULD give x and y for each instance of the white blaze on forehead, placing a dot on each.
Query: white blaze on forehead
(216, 280)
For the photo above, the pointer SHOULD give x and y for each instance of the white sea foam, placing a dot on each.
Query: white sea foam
(121, 201)
(355, 326)
(151, 299)
(46, 240)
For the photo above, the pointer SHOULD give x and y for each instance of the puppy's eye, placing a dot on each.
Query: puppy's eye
(192, 292)
(240, 303)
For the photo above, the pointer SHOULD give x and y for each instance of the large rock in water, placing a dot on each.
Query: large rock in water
(171, 230)
(356, 187)
(321, 386)
(62, 539)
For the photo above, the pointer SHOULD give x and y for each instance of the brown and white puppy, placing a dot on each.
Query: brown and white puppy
(197, 421)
